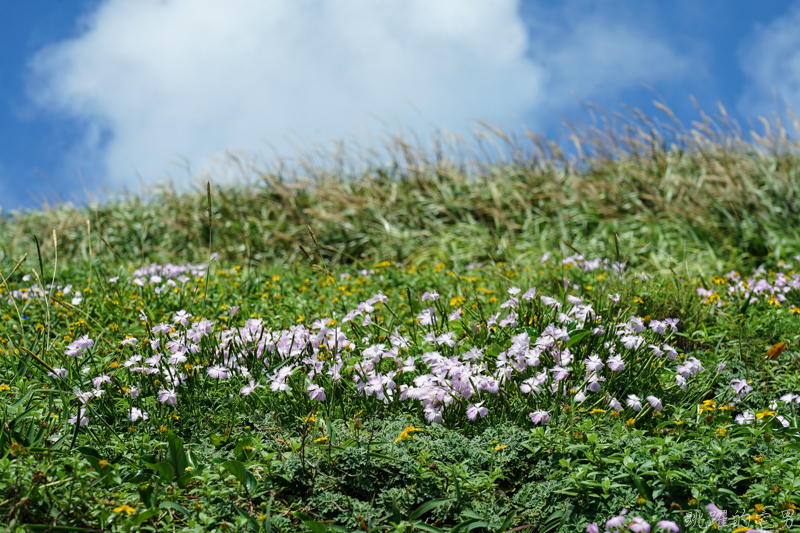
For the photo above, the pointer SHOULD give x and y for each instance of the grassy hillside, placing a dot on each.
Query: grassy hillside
(532, 344)
(702, 193)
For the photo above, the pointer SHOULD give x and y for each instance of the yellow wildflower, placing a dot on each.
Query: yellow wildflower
(406, 433)
(127, 509)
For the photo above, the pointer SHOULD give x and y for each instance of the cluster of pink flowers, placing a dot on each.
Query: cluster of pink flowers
(436, 369)
(625, 522)
(761, 286)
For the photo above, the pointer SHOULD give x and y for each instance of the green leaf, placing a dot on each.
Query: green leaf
(146, 515)
(577, 336)
(177, 456)
(251, 522)
(313, 525)
(427, 527)
(241, 473)
(427, 506)
(89, 452)
(175, 507)
(164, 469)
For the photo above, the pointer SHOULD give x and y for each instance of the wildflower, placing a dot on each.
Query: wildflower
(127, 509)
(658, 327)
(181, 317)
(80, 416)
(617, 521)
(721, 432)
(315, 392)
(247, 389)
(707, 405)
(476, 410)
(218, 372)
(59, 373)
(716, 514)
(430, 295)
(128, 341)
(634, 402)
(592, 528)
(550, 302)
(593, 363)
(745, 418)
(668, 525)
(741, 388)
(615, 363)
(614, 298)
(654, 402)
(454, 315)
(544, 258)
(500, 447)
(529, 294)
(630, 422)
(406, 434)
(764, 413)
(427, 316)
(99, 380)
(167, 396)
(135, 414)
(539, 417)
(595, 411)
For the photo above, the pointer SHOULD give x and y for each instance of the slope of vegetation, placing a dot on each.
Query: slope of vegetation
(444, 344)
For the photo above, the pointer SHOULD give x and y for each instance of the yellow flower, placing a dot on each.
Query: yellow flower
(679, 422)
(630, 422)
(760, 458)
(406, 433)
(740, 529)
(127, 509)
(641, 500)
(707, 405)
(458, 300)
(4, 388)
(501, 447)
(794, 310)
(764, 413)
(188, 469)
(322, 439)
(310, 418)
(759, 507)
(594, 411)
(721, 432)
(638, 300)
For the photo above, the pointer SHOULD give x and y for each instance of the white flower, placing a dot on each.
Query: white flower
(135, 414)
(654, 402)
(634, 402)
(80, 415)
(539, 417)
(247, 389)
(167, 396)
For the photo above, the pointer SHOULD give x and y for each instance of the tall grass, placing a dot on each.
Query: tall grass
(703, 195)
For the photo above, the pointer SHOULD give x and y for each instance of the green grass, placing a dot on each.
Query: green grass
(398, 454)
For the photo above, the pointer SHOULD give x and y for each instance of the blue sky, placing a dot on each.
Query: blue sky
(109, 94)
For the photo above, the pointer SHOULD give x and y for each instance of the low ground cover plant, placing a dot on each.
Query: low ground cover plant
(549, 395)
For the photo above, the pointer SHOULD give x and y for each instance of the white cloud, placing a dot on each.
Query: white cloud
(193, 78)
(770, 58)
